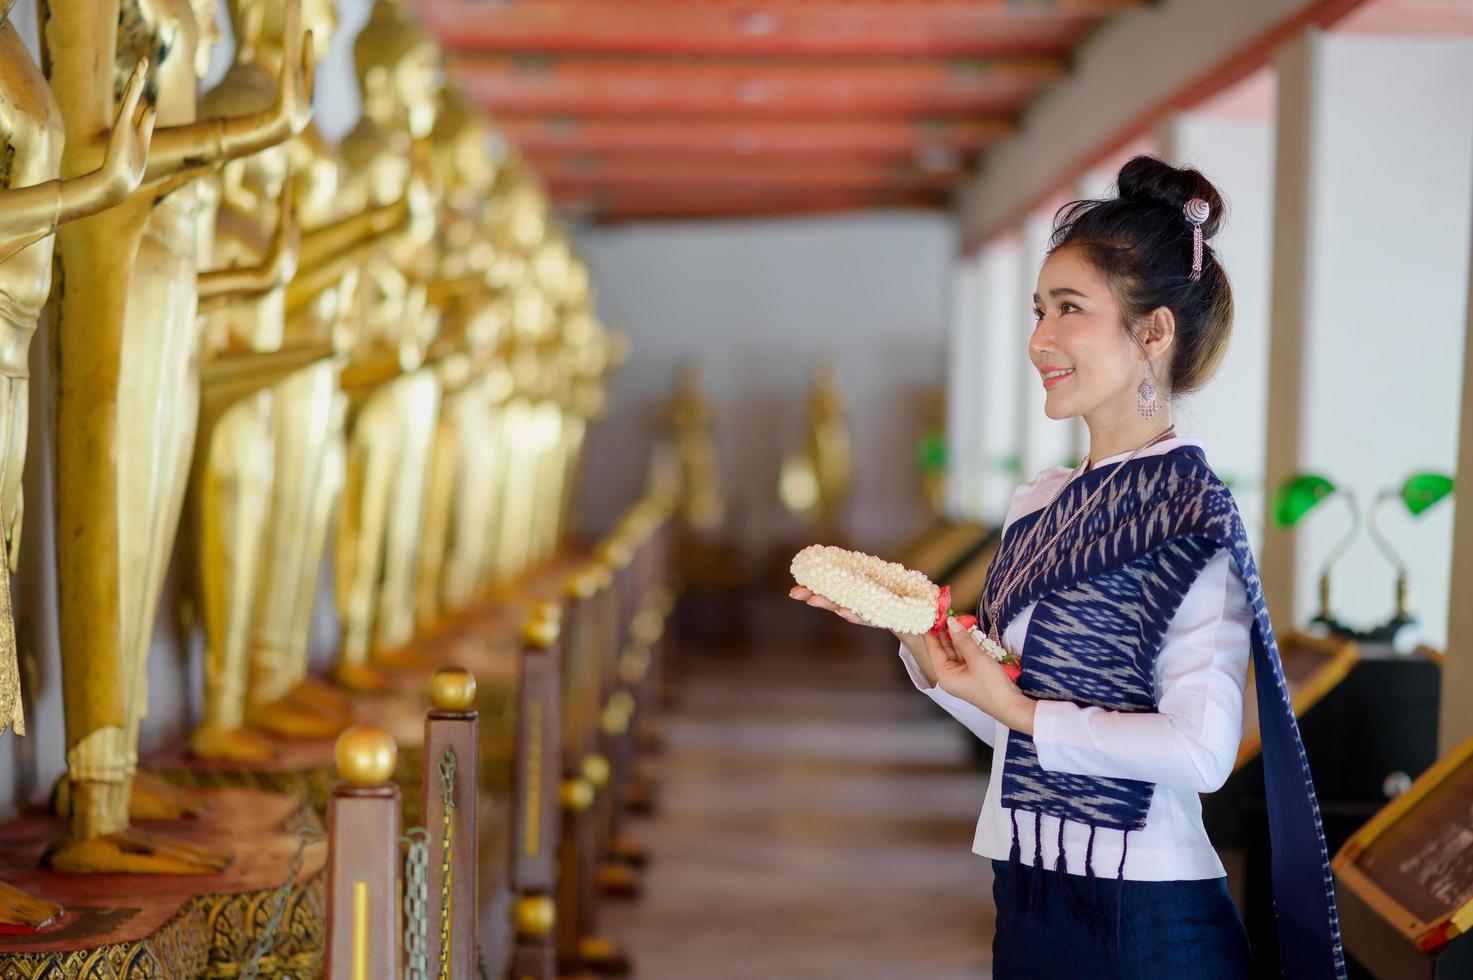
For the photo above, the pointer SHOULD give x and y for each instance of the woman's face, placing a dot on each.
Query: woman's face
(1085, 360)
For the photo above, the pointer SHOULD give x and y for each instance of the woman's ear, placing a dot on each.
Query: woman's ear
(1158, 332)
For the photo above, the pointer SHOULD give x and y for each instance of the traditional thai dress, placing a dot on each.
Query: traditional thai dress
(1135, 630)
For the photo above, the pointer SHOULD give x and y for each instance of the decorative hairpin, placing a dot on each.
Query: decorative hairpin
(1196, 211)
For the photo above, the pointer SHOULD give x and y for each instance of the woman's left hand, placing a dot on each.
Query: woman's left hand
(964, 670)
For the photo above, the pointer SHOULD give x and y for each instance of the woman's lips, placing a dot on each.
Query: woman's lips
(1049, 382)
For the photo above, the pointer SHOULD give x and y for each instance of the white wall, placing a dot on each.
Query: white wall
(755, 302)
(1389, 198)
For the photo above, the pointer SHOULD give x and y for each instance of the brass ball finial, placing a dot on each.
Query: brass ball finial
(616, 553)
(453, 689)
(539, 633)
(576, 795)
(535, 915)
(596, 770)
(366, 755)
(548, 609)
(581, 584)
(603, 576)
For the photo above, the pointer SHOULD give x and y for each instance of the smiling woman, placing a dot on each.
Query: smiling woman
(1128, 592)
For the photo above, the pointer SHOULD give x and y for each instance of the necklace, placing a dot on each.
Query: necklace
(1015, 576)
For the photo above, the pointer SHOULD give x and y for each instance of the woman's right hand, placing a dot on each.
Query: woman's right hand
(819, 602)
(917, 644)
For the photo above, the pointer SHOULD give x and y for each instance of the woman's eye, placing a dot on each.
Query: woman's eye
(1066, 307)
(1037, 313)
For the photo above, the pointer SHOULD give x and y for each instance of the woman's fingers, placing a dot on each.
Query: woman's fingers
(940, 650)
(819, 602)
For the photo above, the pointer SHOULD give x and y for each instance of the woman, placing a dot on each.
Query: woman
(1127, 589)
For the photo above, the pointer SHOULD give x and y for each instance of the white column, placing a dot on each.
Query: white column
(1003, 337)
(1233, 146)
(962, 416)
(1370, 301)
(1045, 442)
(1455, 720)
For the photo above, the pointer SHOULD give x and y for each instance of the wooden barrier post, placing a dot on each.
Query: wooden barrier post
(535, 814)
(617, 878)
(580, 948)
(451, 798)
(363, 859)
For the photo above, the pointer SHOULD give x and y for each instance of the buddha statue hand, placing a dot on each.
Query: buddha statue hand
(286, 243)
(127, 144)
(294, 88)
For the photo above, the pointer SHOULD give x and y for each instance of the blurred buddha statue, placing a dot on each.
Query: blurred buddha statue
(246, 356)
(464, 469)
(815, 481)
(338, 235)
(686, 453)
(394, 410)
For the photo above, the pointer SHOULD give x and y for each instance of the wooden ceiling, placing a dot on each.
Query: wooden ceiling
(634, 109)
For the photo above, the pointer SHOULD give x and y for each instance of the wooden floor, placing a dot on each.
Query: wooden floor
(815, 821)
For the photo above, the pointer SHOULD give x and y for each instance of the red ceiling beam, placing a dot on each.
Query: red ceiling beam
(628, 204)
(940, 167)
(571, 174)
(715, 137)
(616, 86)
(750, 27)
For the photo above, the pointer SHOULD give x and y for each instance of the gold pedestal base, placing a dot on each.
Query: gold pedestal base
(134, 927)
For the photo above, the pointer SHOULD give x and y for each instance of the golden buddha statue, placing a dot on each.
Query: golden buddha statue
(246, 353)
(310, 407)
(127, 391)
(34, 202)
(392, 422)
(460, 499)
(827, 452)
(686, 456)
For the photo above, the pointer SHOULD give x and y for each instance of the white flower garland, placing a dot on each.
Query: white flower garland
(882, 593)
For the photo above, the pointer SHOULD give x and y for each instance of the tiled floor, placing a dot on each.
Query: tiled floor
(815, 824)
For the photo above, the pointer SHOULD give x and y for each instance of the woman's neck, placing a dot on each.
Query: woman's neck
(1124, 432)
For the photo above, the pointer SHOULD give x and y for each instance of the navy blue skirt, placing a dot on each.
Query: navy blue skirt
(1166, 929)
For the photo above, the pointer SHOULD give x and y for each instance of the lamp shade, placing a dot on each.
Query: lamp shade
(1422, 490)
(1298, 495)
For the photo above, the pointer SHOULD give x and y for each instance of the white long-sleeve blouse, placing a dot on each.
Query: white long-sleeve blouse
(1186, 747)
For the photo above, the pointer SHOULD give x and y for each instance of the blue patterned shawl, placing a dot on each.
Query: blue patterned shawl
(1106, 592)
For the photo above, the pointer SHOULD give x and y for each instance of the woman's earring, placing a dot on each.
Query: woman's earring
(1145, 398)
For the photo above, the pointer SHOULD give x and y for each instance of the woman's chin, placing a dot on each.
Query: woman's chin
(1057, 409)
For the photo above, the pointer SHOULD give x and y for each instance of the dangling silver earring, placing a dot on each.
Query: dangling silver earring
(1145, 397)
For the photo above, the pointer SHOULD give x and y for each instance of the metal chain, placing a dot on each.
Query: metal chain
(447, 850)
(416, 896)
(251, 969)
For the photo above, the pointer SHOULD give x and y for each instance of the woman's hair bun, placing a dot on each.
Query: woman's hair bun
(1148, 179)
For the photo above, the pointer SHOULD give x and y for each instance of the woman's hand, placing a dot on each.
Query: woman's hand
(964, 670)
(919, 645)
(819, 602)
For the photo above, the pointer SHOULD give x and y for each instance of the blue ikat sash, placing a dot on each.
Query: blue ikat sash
(1106, 592)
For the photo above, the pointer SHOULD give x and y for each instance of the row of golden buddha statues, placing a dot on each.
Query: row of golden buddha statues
(265, 346)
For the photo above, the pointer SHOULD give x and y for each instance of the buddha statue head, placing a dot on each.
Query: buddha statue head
(259, 27)
(209, 35)
(399, 70)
